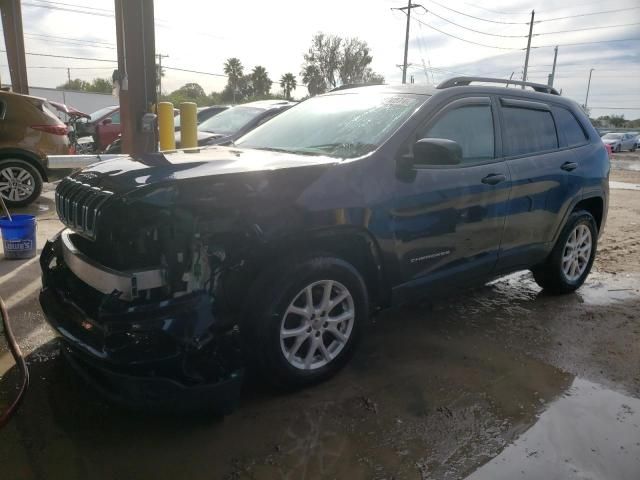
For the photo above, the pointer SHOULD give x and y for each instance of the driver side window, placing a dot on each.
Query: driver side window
(471, 126)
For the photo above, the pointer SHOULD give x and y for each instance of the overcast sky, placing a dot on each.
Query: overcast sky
(201, 34)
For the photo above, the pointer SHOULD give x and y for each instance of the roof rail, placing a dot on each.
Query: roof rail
(460, 81)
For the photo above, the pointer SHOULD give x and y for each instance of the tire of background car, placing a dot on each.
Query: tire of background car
(570, 261)
(14, 171)
(618, 149)
(307, 320)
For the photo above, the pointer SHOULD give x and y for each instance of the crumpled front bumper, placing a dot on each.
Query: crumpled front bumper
(160, 356)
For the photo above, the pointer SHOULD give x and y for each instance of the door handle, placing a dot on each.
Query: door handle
(569, 166)
(494, 179)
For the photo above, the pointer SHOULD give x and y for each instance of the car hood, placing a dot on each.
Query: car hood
(611, 140)
(125, 174)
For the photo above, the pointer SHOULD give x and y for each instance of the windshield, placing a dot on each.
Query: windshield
(230, 121)
(613, 136)
(345, 125)
(98, 114)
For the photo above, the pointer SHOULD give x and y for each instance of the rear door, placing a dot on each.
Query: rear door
(448, 220)
(543, 183)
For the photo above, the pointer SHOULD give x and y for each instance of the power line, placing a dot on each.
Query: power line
(115, 61)
(463, 39)
(472, 29)
(65, 9)
(586, 14)
(73, 5)
(66, 57)
(477, 18)
(588, 43)
(83, 40)
(587, 28)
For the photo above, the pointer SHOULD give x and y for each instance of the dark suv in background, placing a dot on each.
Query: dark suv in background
(288, 240)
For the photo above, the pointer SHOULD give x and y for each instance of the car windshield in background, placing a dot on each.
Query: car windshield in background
(230, 121)
(101, 113)
(346, 125)
(613, 136)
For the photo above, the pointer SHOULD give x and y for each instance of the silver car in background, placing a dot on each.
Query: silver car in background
(621, 141)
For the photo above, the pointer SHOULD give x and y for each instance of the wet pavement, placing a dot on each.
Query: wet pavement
(501, 382)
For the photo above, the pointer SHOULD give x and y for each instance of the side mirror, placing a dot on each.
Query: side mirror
(107, 121)
(436, 151)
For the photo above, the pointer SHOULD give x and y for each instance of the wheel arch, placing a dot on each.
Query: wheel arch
(352, 244)
(27, 156)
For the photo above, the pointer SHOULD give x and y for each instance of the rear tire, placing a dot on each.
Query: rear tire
(570, 261)
(294, 334)
(20, 182)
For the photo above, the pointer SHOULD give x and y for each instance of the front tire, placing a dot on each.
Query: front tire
(307, 321)
(20, 182)
(571, 259)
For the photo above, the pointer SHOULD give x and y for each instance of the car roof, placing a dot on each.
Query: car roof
(5, 93)
(414, 88)
(268, 104)
(482, 89)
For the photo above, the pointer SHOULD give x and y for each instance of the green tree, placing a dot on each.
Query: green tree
(617, 120)
(372, 78)
(332, 60)
(314, 80)
(288, 83)
(76, 84)
(324, 54)
(97, 85)
(100, 85)
(354, 61)
(260, 81)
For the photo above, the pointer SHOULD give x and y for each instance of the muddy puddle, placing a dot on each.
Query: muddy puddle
(590, 432)
(501, 382)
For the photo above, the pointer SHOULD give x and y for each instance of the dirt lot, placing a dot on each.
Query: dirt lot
(501, 382)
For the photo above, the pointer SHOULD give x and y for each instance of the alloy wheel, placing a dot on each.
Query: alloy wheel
(577, 252)
(16, 183)
(317, 325)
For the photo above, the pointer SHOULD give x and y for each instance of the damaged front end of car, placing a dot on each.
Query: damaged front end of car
(145, 293)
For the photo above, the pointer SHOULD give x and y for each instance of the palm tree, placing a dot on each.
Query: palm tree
(233, 69)
(288, 83)
(261, 81)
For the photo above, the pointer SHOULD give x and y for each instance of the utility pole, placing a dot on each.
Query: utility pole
(553, 69)
(406, 38)
(526, 58)
(69, 74)
(586, 100)
(160, 56)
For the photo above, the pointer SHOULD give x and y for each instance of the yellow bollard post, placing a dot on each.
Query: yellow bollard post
(188, 125)
(166, 126)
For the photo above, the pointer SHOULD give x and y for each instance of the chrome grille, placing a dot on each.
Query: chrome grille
(78, 205)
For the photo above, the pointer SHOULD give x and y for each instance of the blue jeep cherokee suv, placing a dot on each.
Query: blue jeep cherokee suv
(178, 268)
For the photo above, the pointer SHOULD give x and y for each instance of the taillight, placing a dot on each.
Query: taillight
(52, 129)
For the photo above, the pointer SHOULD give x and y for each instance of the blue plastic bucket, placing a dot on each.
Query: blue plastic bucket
(18, 236)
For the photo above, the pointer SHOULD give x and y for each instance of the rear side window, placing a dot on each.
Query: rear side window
(569, 126)
(115, 118)
(528, 131)
(471, 127)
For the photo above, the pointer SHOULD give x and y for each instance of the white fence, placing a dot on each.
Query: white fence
(84, 101)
